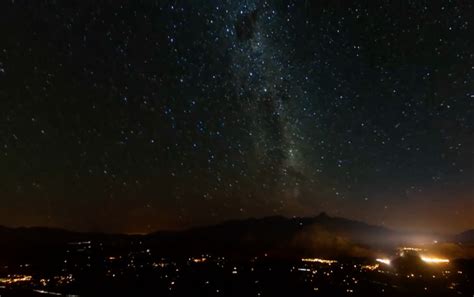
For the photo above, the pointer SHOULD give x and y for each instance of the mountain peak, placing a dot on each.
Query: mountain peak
(323, 214)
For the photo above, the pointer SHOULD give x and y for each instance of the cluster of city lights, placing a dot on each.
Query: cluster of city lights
(12, 279)
(318, 260)
(199, 260)
(370, 267)
(413, 249)
(159, 264)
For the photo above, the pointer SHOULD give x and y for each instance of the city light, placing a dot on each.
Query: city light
(15, 279)
(370, 267)
(199, 260)
(318, 260)
(413, 249)
(383, 260)
(434, 260)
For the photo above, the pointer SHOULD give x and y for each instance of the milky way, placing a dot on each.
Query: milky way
(264, 83)
(144, 115)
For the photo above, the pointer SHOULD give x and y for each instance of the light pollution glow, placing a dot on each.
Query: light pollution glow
(434, 260)
(383, 260)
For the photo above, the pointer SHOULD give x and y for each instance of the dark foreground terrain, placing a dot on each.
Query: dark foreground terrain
(88, 269)
(318, 256)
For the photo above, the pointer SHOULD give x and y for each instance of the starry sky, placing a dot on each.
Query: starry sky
(134, 116)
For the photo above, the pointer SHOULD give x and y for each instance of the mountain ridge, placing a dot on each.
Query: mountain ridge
(320, 218)
(321, 235)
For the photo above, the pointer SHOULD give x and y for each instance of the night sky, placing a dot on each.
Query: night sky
(135, 116)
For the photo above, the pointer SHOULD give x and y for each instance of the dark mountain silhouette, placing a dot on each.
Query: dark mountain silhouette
(50, 236)
(465, 237)
(277, 235)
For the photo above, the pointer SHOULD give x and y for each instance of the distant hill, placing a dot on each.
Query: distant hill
(50, 236)
(277, 235)
(30, 235)
(31, 242)
(322, 234)
(465, 237)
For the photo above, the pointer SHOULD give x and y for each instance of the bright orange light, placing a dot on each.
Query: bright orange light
(383, 260)
(434, 260)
